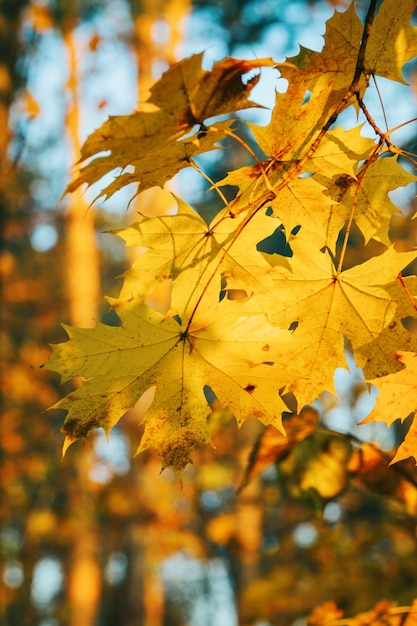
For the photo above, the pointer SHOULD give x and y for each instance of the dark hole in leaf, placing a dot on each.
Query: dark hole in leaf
(250, 388)
(275, 244)
(209, 394)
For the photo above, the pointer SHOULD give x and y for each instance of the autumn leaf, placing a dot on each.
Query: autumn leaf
(385, 613)
(324, 306)
(316, 469)
(195, 257)
(312, 464)
(306, 200)
(120, 363)
(339, 152)
(397, 399)
(295, 123)
(371, 468)
(147, 144)
(393, 40)
(155, 145)
(336, 61)
(395, 337)
(273, 445)
(195, 95)
(302, 200)
(262, 300)
(369, 197)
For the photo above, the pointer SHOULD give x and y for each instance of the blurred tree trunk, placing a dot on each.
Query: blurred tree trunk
(83, 274)
(83, 286)
(11, 12)
(249, 518)
(151, 46)
(15, 606)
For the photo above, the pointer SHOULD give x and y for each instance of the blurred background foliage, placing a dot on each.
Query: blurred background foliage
(256, 536)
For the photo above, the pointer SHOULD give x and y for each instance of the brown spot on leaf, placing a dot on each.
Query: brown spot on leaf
(79, 430)
(250, 388)
(343, 182)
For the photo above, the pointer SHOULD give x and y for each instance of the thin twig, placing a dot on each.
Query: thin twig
(381, 102)
(214, 185)
(407, 291)
(360, 63)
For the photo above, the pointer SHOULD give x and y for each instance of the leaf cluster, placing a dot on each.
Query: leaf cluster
(247, 324)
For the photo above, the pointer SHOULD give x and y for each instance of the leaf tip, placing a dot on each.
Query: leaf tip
(67, 442)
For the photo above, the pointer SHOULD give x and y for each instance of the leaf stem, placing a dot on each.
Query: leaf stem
(361, 176)
(381, 102)
(360, 63)
(209, 180)
(407, 291)
(384, 137)
(253, 155)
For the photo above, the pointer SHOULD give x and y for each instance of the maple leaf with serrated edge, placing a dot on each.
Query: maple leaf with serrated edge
(194, 94)
(158, 144)
(340, 150)
(195, 257)
(397, 399)
(323, 307)
(303, 200)
(395, 336)
(393, 40)
(287, 333)
(232, 355)
(151, 147)
(337, 60)
(373, 209)
(295, 123)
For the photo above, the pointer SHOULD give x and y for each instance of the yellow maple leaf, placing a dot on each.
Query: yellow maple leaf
(323, 307)
(156, 144)
(337, 59)
(295, 122)
(195, 257)
(236, 356)
(397, 399)
(372, 206)
(338, 56)
(393, 40)
(194, 95)
(339, 152)
(303, 200)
